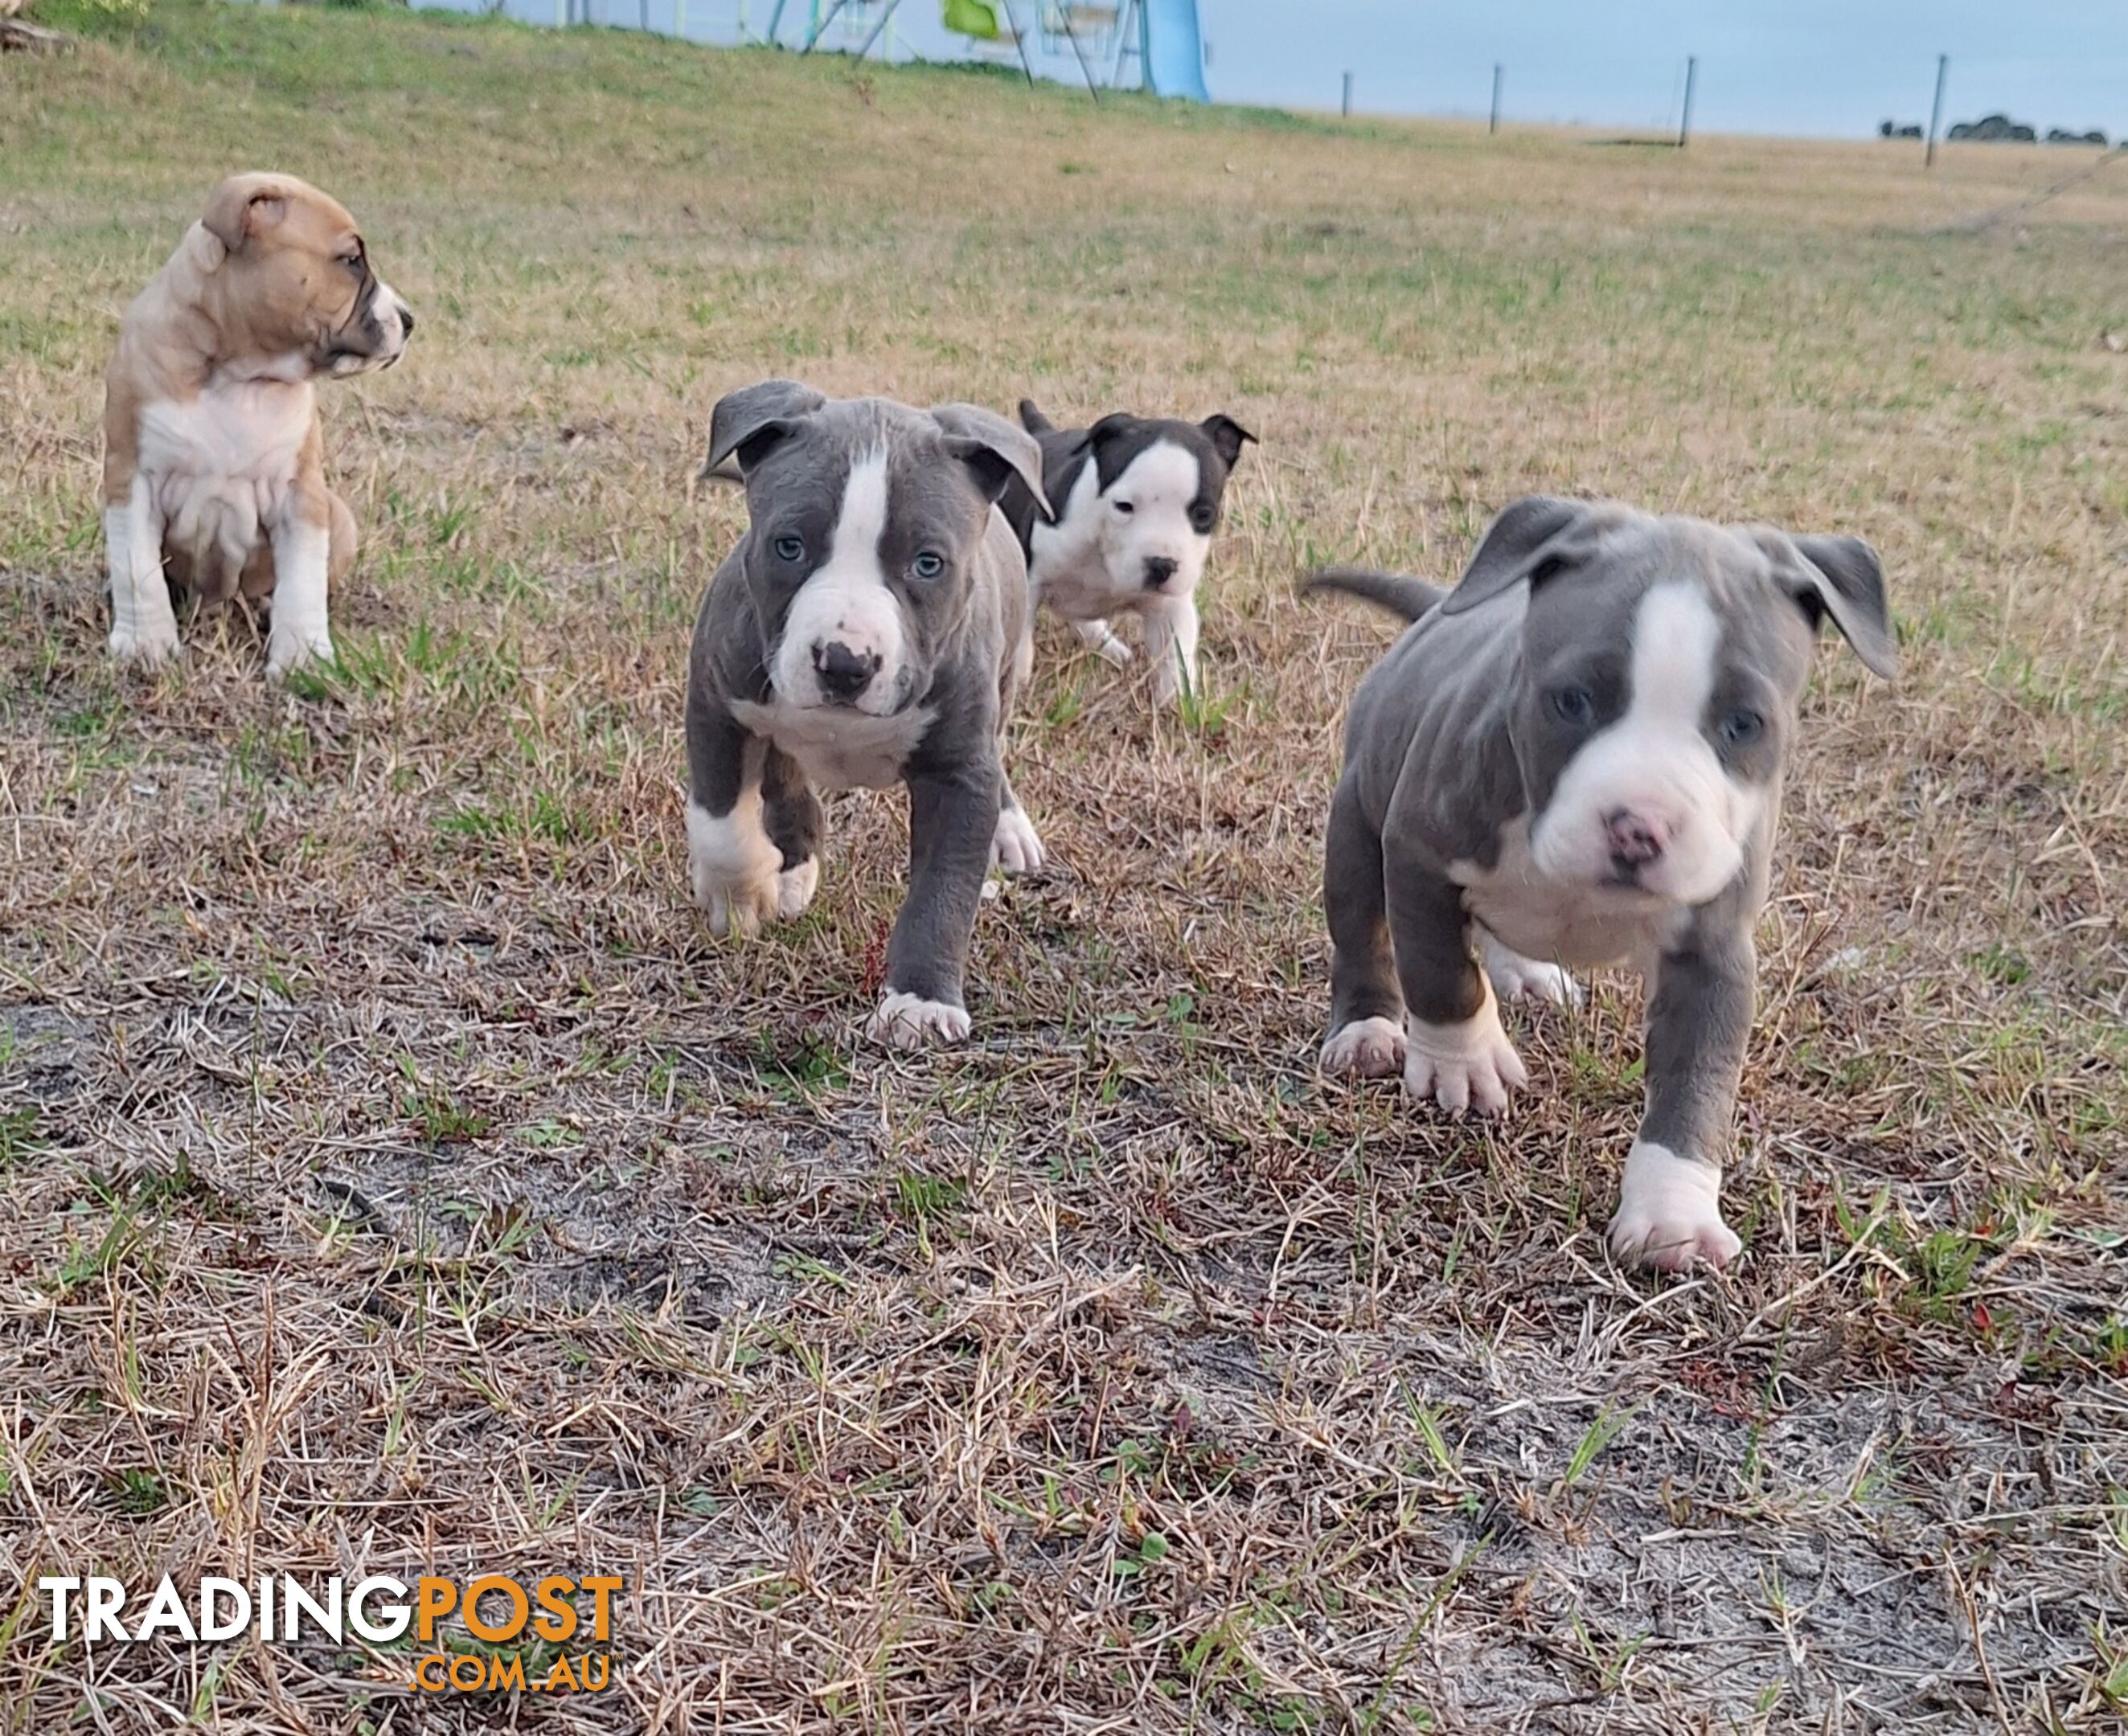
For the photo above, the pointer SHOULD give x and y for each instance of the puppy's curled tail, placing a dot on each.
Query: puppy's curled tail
(1400, 594)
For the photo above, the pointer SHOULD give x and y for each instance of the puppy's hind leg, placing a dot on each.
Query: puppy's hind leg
(792, 817)
(1366, 1010)
(1016, 847)
(342, 540)
(1516, 978)
(1101, 640)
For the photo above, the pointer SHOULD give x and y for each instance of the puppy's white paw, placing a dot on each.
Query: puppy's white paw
(1669, 1213)
(737, 874)
(1168, 681)
(1517, 978)
(286, 652)
(1470, 1065)
(1370, 1048)
(1015, 848)
(1100, 638)
(908, 1021)
(794, 887)
(145, 644)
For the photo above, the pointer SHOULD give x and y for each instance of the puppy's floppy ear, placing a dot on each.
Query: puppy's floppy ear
(1839, 576)
(1535, 538)
(997, 454)
(1227, 435)
(747, 423)
(1031, 418)
(243, 205)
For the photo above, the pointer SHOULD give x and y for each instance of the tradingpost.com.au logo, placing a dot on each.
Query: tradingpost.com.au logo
(518, 1629)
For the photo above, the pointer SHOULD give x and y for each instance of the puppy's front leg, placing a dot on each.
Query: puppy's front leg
(1170, 646)
(143, 627)
(1670, 1199)
(302, 566)
(952, 819)
(1455, 1050)
(732, 864)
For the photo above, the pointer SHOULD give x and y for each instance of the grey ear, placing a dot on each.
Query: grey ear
(1225, 435)
(1532, 539)
(996, 453)
(1842, 578)
(750, 421)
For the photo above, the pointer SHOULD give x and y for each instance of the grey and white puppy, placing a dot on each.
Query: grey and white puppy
(1575, 758)
(1137, 499)
(870, 629)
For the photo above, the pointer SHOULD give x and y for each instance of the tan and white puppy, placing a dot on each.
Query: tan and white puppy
(213, 463)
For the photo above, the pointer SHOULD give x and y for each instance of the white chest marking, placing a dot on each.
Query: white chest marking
(249, 430)
(219, 469)
(838, 748)
(1563, 921)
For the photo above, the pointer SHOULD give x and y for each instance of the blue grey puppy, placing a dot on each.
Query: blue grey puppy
(870, 629)
(1575, 758)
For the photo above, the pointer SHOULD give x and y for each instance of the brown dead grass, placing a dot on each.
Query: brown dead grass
(397, 1177)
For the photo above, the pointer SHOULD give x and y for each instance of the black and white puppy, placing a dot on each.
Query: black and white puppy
(1136, 500)
(871, 628)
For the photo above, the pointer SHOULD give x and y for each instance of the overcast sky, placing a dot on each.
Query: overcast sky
(1818, 67)
(1825, 68)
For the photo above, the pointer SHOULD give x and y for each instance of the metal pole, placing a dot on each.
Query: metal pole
(642, 14)
(1085, 70)
(1124, 26)
(1019, 42)
(775, 23)
(1494, 124)
(879, 29)
(1936, 110)
(1345, 105)
(819, 24)
(1684, 120)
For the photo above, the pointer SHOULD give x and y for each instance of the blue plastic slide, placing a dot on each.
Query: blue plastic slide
(1174, 52)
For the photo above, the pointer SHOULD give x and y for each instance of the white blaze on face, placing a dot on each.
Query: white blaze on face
(1146, 517)
(1655, 764)
(846, 601)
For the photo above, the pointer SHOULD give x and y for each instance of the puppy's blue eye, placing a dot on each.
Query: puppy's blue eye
(927, 565)
(1125, 507)
(790, 548)
(1571, 704)
(1741, 728)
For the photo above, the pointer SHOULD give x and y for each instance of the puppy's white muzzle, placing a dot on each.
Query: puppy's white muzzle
(1647, 811)
(844, 645)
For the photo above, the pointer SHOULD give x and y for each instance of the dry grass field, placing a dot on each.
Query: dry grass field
(394, 1176)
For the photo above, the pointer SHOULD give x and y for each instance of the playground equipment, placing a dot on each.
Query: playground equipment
(1162, 36)
(1168, 46)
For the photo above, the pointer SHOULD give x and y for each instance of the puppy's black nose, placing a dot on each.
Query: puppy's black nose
(844, 673)
(1158, 571)
(405, 320)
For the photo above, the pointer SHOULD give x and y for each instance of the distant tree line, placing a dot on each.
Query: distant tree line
(1996, 130)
